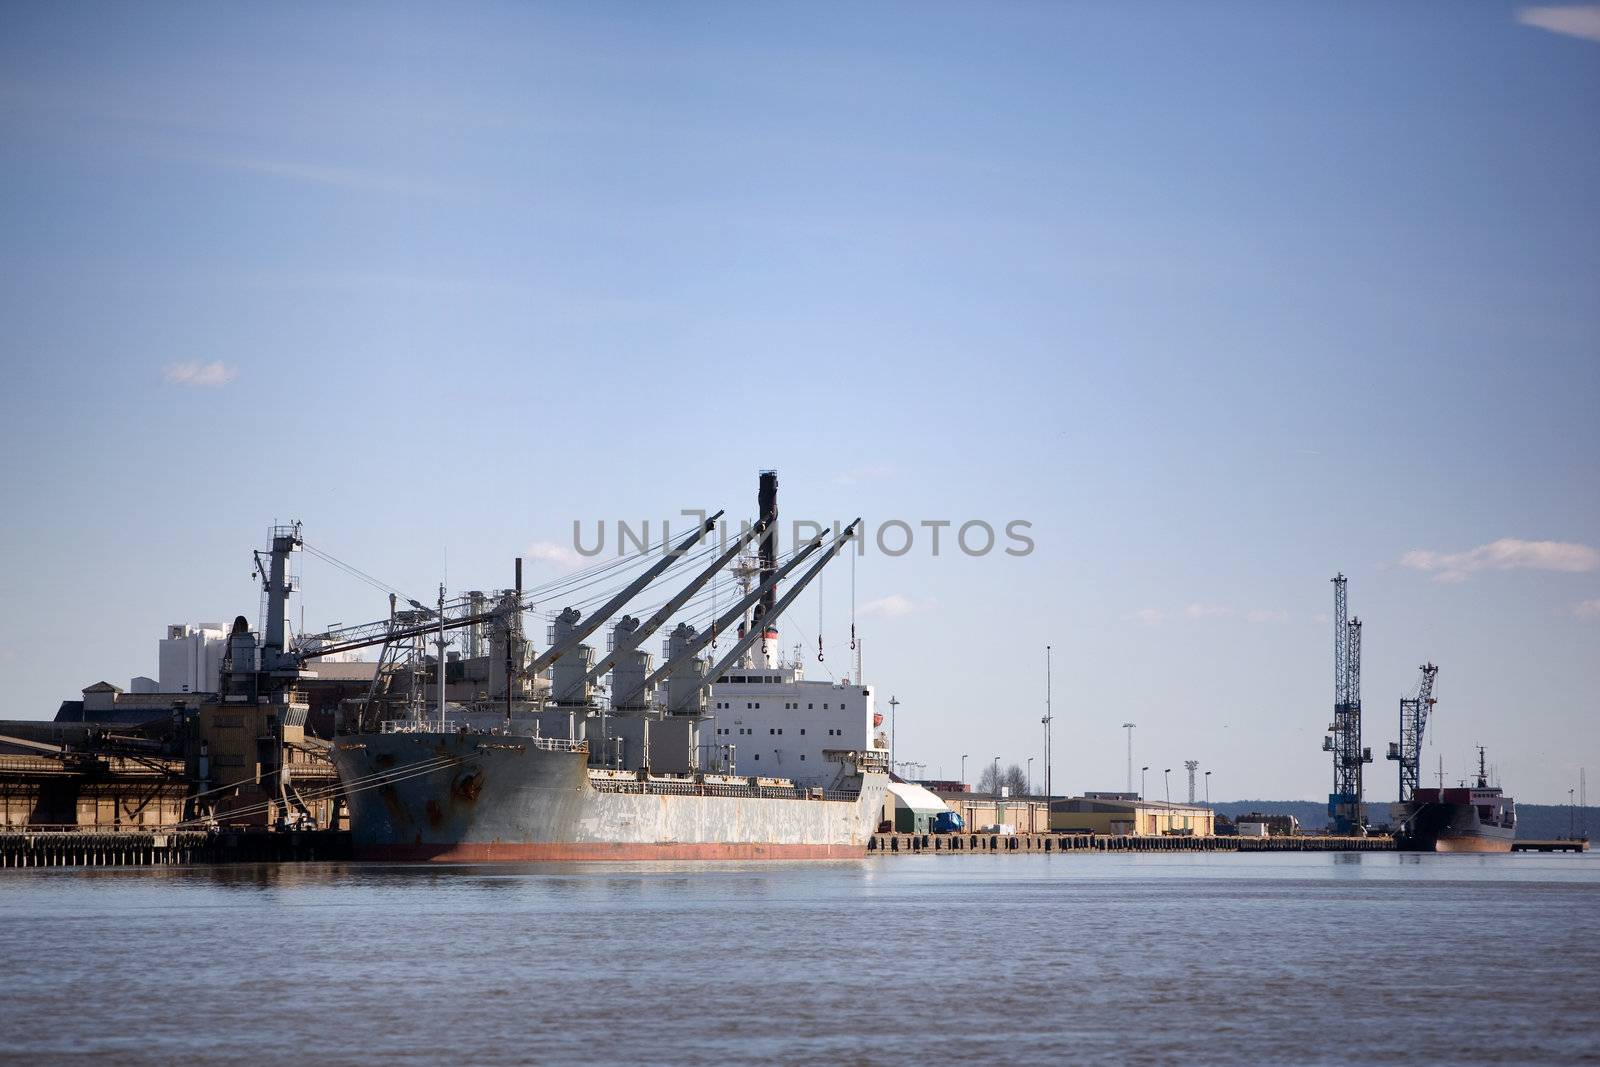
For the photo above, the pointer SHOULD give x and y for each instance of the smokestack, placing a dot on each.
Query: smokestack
(767, 508)
(767, 511)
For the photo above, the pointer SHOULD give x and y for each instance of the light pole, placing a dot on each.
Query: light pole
(1572, 816)
(894, 703)
(963, 770)
(1128, 726)
(1142, 771)
(1167, 774)
(1030, 776)
(1208, 789)
(997, 777)
(1049, 717)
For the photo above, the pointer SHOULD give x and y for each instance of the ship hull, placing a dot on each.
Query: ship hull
(467, 797)
(576, 852)
(1438, 827)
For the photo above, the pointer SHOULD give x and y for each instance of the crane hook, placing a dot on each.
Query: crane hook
(819, 648)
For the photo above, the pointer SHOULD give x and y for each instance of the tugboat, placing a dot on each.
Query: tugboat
(1479, 818)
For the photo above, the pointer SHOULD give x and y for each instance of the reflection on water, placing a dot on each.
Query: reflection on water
(1028, 959)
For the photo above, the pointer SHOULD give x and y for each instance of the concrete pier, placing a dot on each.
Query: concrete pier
(898, 843)
(1560, 844)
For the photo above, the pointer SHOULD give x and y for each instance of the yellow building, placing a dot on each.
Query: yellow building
(1122, 813)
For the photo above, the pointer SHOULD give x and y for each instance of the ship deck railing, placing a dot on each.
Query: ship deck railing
(417, 726)
(502, 739)
(548, 744)
(689, 788)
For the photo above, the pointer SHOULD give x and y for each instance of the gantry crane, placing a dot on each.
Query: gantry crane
(1345, 809)
(1414, 713)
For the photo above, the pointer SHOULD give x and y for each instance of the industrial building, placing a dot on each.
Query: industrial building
(1025, 815)
(78, 777)
(1123, 813)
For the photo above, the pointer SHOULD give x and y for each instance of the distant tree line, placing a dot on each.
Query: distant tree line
(1013, 778)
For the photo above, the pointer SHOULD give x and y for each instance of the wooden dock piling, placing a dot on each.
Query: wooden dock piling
(897, 843)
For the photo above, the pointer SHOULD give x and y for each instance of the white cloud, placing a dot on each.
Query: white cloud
(1148, 616)
(550, 552)
(1506, 554)
(865, 474)
(888, 607)
(1264, 615)
(1207, 611)
(199, 375)
(1572, 20)
(1587, 609)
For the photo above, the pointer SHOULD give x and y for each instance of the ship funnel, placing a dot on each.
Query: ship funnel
(767, 512)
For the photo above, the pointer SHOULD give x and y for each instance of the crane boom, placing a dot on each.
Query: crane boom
(725, 620)
(601, 614)
(1413, 722)
(755, 632)
(671, 607)
(389, 634)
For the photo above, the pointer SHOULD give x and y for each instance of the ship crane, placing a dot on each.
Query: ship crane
(671, 607)
(728, 618)
(367, 635)
(612, 606)
(770, 618)
(1414, 712)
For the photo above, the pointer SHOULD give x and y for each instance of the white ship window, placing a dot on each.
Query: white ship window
(802, 757)
(780, 731)
(811, 707)
(758, 755)
(802, 731)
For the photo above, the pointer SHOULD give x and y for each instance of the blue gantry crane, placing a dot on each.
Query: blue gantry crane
(1346, 813)
(1414, 712)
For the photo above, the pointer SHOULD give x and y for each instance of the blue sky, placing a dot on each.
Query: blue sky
(1221, 298)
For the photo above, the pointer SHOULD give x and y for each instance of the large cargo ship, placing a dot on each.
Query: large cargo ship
(464, 795)
(543, 767)
(1476, 818)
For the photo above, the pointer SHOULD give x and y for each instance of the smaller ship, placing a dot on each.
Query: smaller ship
(1479, 818)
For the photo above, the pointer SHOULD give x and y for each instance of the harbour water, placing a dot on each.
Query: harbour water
(1195, 958)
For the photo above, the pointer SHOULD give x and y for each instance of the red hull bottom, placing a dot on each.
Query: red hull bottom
(522, 852)
(1472, 844)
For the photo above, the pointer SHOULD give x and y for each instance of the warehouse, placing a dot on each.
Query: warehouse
(1119, 814)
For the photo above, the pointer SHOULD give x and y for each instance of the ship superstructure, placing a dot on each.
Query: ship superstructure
(773, 720)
